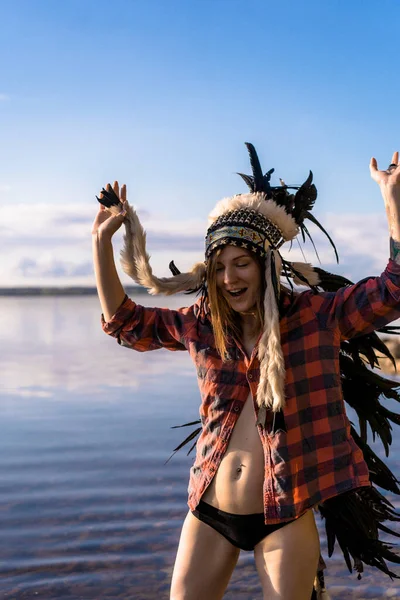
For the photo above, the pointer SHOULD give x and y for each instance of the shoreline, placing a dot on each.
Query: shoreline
(62, 291)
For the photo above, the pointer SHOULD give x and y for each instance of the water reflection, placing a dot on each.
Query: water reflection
(57, 343)
(88, 508)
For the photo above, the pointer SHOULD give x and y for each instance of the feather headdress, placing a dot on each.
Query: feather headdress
(260, 221)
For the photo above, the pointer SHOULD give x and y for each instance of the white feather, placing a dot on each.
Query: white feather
(271, 388)
(268, 208)
(135, 262)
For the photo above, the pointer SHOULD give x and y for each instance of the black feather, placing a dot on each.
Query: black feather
(267, 176)
(314, 594)
(274, 278)
(188, 439)
(318, 224)
(392, 329)
(187, 424)
(379, 473)
(109, 199)
(299, 206)
(304, 199)
(388, 530)
(192, 447)
(354, 519)
(330, 536)
(281, 197)
(185, 441)
(330, 282)
(175, 271)
(248, 180)
(381, 347)
(298, 275)
(258, 178)
(304, 230)
(173, 268)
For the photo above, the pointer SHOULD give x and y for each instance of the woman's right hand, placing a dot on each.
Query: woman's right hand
(105, 224)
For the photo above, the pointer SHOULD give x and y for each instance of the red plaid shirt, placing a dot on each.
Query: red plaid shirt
(316, 458)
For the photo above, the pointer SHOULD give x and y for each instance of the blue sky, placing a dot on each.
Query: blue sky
(161, 94)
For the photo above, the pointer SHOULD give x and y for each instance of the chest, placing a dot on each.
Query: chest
(311, 354)
(248, 344)
(304, 340)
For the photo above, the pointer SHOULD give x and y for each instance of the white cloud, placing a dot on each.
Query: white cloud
(362, 242)
(50, 244)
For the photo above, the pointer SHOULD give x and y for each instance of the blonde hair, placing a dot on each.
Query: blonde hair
(225, 321)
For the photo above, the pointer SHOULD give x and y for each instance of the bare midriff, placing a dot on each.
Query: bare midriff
(237, 486)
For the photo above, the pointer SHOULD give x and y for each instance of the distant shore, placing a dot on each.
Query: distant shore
(62, 291)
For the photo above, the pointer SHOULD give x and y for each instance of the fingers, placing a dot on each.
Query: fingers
(373, 165)
(120, 193)
(123, 192)
(116, 188)
(101, 206)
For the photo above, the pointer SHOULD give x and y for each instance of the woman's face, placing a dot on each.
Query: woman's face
(238, 278)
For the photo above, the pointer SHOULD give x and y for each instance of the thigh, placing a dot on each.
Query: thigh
(204, 562)
(287, 560)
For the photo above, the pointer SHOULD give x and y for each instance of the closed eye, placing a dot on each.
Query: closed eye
(240, 265)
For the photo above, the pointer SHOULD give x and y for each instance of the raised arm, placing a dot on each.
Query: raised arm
(389, 183)
(374, 302)
(109, 287)
(137, 327)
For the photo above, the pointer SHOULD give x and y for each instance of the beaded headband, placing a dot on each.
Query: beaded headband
(245, 228)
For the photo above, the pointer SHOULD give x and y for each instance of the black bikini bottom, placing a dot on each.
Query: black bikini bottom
(243, 531)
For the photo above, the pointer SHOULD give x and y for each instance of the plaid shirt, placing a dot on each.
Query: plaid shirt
(316, 457)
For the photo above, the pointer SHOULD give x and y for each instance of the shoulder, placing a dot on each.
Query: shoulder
(291, 301)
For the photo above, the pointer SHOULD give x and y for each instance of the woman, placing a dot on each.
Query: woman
(275, 441)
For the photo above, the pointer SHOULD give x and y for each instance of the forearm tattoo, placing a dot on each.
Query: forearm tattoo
(395, 250)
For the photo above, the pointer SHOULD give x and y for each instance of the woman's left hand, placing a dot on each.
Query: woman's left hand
(389, 182)
(388, 179)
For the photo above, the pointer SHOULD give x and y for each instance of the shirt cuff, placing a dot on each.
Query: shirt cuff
(119, 317)
(393, 267)
(391, 279)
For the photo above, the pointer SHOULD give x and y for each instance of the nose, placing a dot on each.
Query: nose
(230, 275)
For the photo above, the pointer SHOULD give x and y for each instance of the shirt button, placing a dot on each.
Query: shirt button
(236, 408)
(250, 376)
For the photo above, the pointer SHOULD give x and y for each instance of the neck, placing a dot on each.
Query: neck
(250, 325)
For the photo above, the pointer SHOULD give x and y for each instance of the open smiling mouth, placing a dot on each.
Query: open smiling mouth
(237, 293)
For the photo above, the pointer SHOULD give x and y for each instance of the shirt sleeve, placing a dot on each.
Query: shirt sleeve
(142, 328)
(363, 307)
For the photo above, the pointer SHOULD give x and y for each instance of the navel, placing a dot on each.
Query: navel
(239, 470)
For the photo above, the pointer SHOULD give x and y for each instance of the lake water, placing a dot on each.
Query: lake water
(88, 509)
